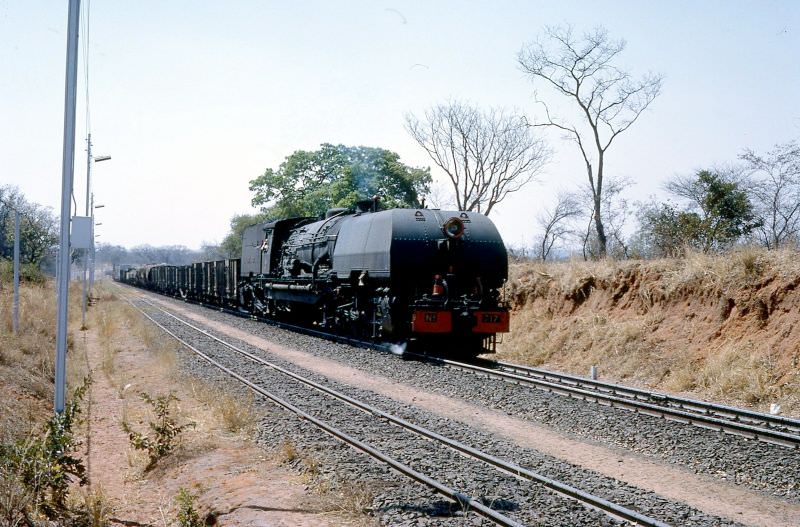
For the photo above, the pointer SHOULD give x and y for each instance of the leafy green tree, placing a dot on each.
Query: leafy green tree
(667, 231)
(232, 243)
(718, 213)
(38, 227)
(724, 211)
(309, 183)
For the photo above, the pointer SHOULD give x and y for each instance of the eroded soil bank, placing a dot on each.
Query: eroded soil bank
(720, 327)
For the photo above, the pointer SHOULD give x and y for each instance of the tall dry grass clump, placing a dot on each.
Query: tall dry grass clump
(27, 358)
(36, 449)
(723, 326)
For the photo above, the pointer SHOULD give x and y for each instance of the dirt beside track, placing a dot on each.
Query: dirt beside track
(235, 482)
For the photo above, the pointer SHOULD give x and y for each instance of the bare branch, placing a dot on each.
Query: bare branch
(774, 187)
(555, 222)
(608, 99)
(489, 154)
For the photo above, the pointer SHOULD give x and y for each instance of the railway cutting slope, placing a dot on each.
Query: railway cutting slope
(725, 327)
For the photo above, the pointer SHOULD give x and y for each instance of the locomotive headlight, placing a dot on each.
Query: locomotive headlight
(453, 228)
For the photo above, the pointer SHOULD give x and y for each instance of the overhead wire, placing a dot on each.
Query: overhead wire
(86, 34)
(85, 23)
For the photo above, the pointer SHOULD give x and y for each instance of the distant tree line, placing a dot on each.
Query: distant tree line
(755, 201)
(148, 254)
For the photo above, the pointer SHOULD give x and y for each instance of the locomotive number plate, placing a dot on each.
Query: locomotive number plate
(491, 322)
(431, 321)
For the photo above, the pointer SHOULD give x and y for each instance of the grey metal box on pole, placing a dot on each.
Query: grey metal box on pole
(81, 237)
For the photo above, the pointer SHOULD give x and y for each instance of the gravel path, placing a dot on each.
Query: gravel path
(520, 499)
(765, 467)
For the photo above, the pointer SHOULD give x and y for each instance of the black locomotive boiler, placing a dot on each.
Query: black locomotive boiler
(402, 275)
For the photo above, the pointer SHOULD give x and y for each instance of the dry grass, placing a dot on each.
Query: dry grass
(733, 372)
(14, 500)
(287, 451)
(27, 369)
(743, 267)
(237, 415)
(582, 341)
(311, 466)
(339, 493)
(233, 412)
(355, 498)
(722, 326)
(27, 359)
(97, 507)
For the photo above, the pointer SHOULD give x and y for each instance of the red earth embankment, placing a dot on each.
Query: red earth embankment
(722, 327)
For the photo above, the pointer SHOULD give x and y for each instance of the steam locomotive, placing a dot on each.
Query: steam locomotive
(421, 276)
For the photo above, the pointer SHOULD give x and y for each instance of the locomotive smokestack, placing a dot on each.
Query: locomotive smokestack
(368, 205)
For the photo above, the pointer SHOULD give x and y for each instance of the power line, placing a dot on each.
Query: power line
(86, 27)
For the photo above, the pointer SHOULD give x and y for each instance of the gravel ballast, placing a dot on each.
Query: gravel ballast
(765, 467)
(522, 499)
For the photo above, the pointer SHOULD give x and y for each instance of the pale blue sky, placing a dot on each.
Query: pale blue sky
(193, 99)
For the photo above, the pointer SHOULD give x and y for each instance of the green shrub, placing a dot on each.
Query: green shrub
(28, 272)
(187, 515)
(164, 430)
(43, 465)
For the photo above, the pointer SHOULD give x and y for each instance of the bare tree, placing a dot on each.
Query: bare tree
(486, 154)
(775, 192)
(608, 100)
(615, 212)
(555, 222)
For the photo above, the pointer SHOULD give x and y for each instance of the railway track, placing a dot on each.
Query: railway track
(769, 428)
(774, 429)
(508, 467)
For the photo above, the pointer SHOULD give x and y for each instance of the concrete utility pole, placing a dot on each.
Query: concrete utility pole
(67, 170)
(15, 325)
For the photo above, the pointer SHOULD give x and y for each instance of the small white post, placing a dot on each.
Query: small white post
(593, 373)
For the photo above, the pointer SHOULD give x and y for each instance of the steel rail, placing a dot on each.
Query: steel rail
(614, 400)
(684, 414)
(723, 411)
(558, 487)
(463, 500)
